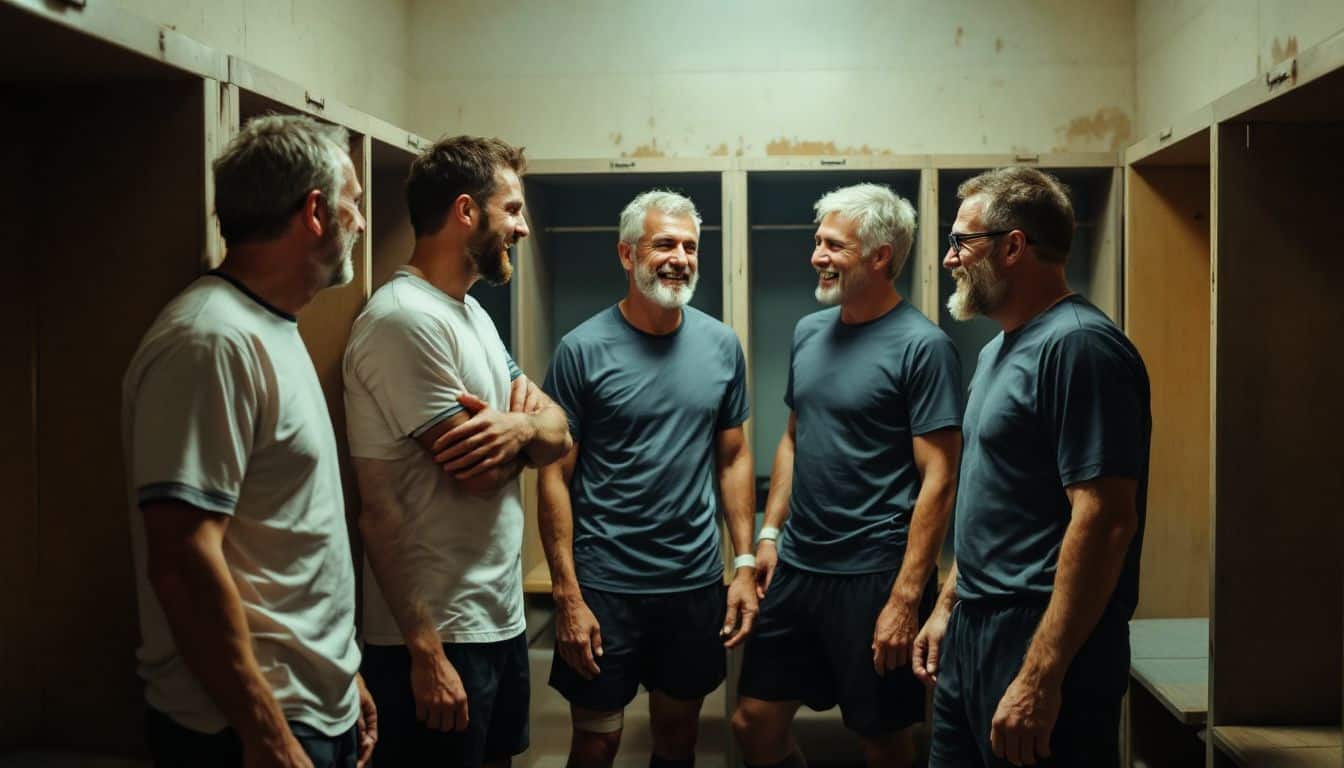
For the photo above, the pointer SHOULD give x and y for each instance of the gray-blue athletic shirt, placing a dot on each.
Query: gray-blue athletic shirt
(861, 393)
(1061, 400)
(646, 411)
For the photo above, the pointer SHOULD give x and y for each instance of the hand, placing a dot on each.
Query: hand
(279, 751)
(525, 396)
(368, 723)
(486, 440)
(440, 698)
(742, 608)
(1023, 721)
(894, 634)
(578, 636)
(767, 557)
(927, 651)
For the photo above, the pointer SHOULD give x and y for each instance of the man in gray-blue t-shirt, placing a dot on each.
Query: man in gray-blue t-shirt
(656, 397)
(864, 475)
(1028, 647)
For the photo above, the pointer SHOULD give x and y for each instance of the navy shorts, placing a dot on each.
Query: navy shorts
(173, 745)
(981, 655)
(813, 643)
(666, 642)
(496, 679)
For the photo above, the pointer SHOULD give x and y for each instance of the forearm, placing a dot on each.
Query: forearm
(556, 524)
(928, 527)
(738, 495)
(947, 598)
(551, 439)
(382, 527)
(781, 484)
(489, 482)
(201, 602)
(1090, 562)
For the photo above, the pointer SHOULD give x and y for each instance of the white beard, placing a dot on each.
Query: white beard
(979, 291)
(665, 296)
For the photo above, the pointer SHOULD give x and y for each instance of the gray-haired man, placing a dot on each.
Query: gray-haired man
(242, 560)
(864, 475)
(655, 392)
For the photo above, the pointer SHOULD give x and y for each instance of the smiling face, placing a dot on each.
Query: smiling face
(837, 256)
(665, 261)
(501, 226)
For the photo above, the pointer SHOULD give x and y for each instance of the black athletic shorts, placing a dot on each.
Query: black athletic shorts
(813, 643)
(666, 642)
(496, 680)
(982, 653)
(173, 745)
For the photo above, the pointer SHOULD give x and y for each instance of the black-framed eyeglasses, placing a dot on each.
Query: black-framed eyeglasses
(957, 239)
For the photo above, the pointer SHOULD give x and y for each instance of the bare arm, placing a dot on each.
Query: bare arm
(578, 635)
(200, 600)
(937, 455)
(440, 698)
(490, 438)
(738, 496)
(1091, 558)
(776, 505)
(483, 483)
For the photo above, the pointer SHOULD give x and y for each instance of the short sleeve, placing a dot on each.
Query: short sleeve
(736, 406)
(514, 370)
(933, 385)
(1091, 395)
(192, 424)
(564, 385)
(402, 379)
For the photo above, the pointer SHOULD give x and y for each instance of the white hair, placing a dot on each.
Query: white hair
(667, 201)
(881, 216)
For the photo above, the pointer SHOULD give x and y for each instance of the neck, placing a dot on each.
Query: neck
(872, 304)
(444, 265)
(647, 316)
(1029, 297)
(272, 271)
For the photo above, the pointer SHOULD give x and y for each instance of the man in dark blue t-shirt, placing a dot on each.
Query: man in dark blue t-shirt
(656, 396)
(862, 487)
(1028, 647)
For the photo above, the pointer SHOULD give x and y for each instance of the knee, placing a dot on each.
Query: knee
(757, 729)
(594, 750)
(894, 749)
(675, 738)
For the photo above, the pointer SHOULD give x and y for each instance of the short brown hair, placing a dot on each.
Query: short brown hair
(1028, 199)
(457, 165)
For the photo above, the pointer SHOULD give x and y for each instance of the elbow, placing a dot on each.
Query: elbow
(168, 578)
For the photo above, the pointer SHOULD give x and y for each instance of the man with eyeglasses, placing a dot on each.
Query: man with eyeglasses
(862, 487)
(1028, 647)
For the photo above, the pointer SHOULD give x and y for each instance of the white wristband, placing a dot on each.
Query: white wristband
(768, 533)
(744, 561)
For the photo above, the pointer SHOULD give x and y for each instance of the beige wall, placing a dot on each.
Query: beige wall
(1190, 52)
(590, 78)
(354, 51)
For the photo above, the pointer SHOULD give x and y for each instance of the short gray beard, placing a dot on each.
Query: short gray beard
(980, 290)
(646, 280)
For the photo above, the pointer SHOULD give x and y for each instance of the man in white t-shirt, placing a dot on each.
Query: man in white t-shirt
(242, 559)
(437, 449)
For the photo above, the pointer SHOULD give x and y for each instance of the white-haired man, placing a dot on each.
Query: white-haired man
(656, 397)
(862, 487)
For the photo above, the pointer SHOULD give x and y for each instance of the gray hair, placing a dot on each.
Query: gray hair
(881, 216)
(667, 201)
(1028, 199)
(267, 170)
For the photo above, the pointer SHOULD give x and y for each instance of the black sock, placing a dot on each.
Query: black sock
(794, 760)
(662, 762)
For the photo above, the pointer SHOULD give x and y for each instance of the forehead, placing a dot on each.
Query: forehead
(348, 172)
(968, 215)
(837, 226)
(508, 186)
(657, 222)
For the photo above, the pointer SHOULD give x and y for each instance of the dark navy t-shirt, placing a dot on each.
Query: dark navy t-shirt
(646, 411)
(861, 393)
(1061, 400)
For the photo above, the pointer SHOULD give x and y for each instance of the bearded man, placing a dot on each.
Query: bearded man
(656, 396)
(428, 382)
(860, 495)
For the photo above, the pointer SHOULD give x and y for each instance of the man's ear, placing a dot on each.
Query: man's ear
(465, 211)
(627, 254)
(313, 213)
(1014, 247)
(881, 258)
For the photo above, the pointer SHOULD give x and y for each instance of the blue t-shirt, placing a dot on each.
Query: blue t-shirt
(646, 411)
(1061, 400)
(861, 393)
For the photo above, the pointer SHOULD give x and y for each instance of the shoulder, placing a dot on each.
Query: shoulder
(810, 325)
(594, 331)
(707, 326)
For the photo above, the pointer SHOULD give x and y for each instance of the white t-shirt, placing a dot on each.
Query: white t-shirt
(412, 351)
(221, 409)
